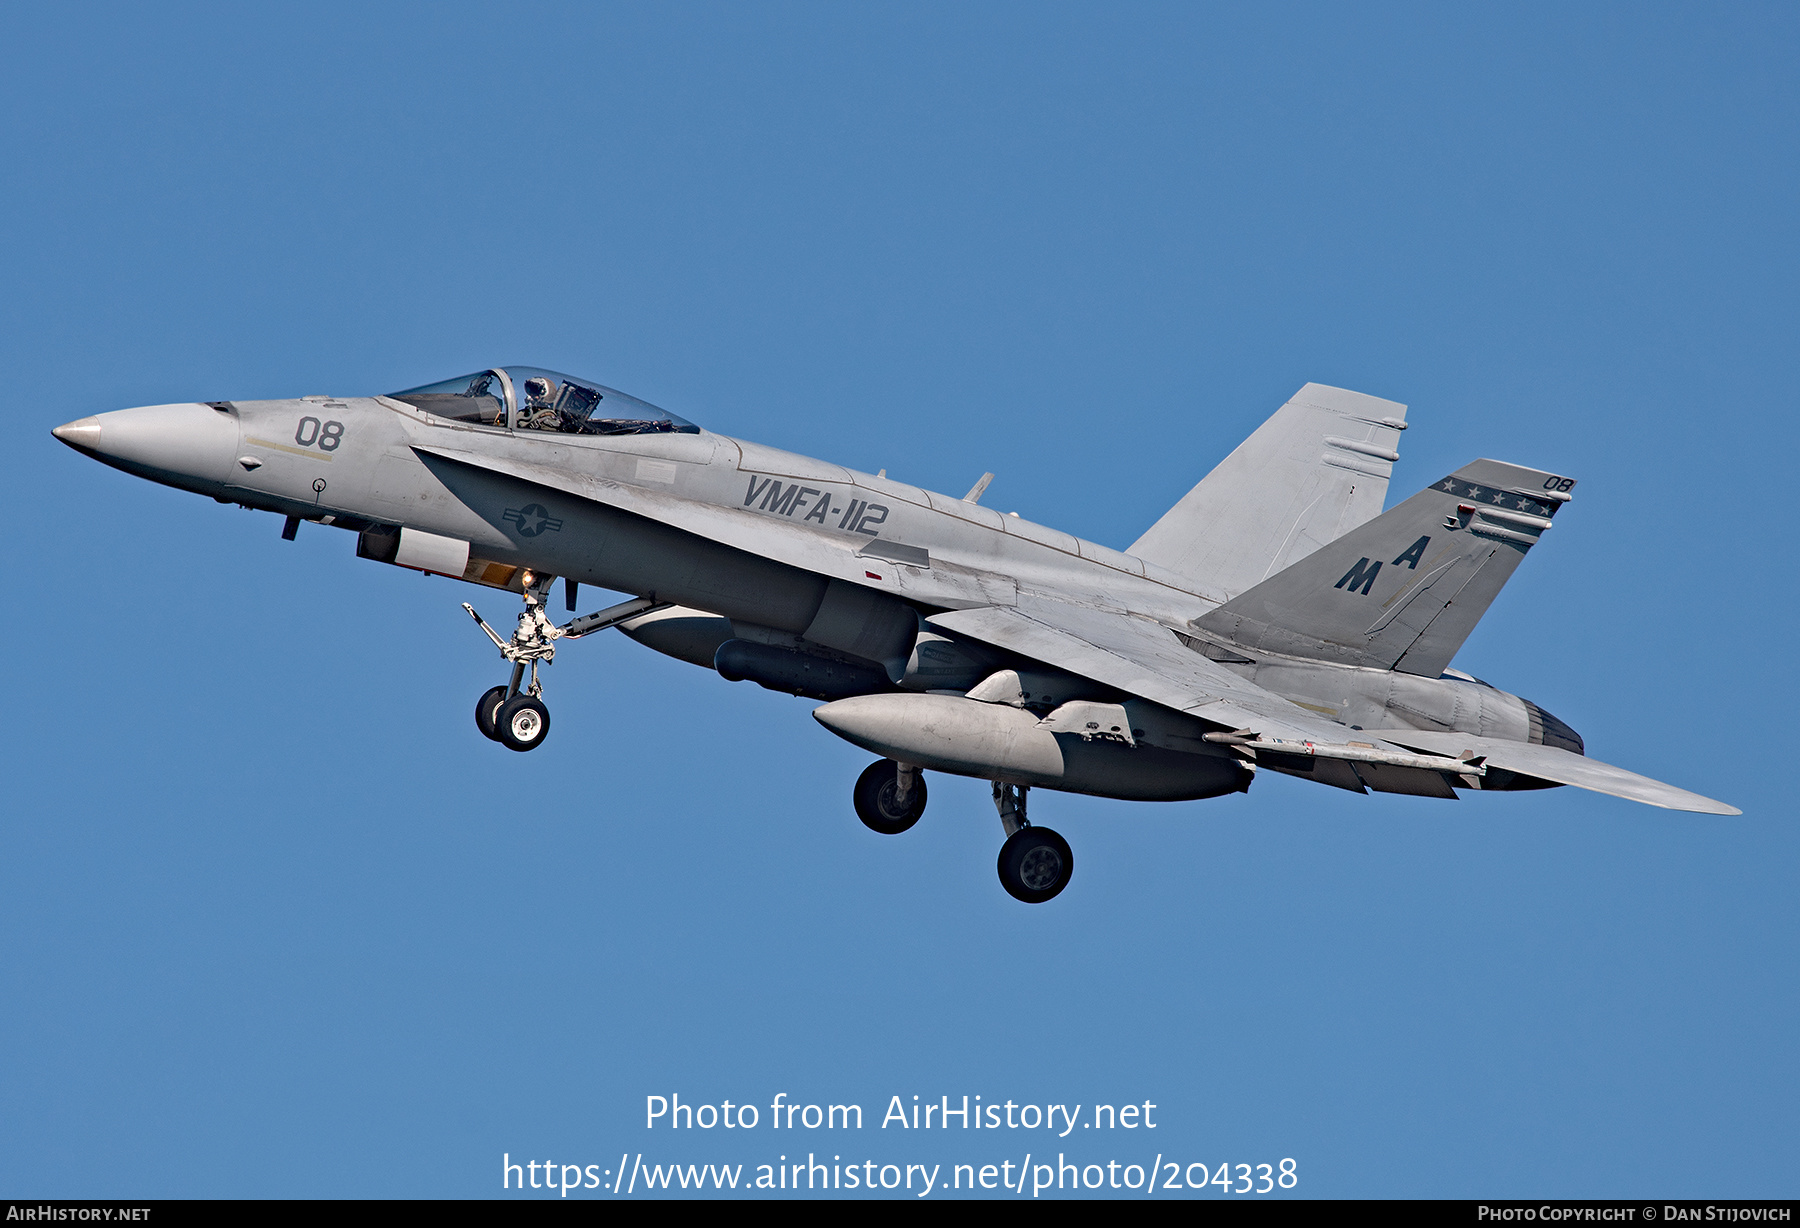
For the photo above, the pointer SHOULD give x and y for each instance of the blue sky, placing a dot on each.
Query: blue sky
(275, 920)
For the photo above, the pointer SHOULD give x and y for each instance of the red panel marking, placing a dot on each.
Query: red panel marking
(871, 575)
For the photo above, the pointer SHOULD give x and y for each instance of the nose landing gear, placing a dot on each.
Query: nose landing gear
(515, 715)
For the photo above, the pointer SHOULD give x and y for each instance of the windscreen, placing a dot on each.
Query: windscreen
(467, 398)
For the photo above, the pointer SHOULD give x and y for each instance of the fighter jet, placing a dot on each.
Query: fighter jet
(1275, 620)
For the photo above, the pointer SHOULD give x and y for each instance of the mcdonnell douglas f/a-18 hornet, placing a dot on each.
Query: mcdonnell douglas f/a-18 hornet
(1276, 619)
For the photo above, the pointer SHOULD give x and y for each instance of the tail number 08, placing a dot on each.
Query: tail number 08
(327, 435)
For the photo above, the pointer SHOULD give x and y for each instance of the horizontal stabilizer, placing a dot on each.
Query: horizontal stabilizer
(1316, 469)
(1559, 766)
(1405, 590)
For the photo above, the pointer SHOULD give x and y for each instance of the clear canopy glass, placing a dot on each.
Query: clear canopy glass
(533, 399)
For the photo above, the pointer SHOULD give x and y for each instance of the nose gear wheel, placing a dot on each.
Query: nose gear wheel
(522, 723)
(487, 711)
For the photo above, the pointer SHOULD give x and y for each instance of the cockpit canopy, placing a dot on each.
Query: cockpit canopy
(533, 399)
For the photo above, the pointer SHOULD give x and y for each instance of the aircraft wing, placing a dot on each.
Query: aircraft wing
(1140, 656)
(1143, 657)
(1561, 766)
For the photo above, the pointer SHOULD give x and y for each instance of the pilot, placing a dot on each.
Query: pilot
(540, 403)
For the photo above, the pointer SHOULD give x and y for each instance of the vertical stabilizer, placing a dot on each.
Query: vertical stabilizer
(1315, 470)
(1403, 591)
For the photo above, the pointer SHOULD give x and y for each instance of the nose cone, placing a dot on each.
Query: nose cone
(187, 445)
(83, 433)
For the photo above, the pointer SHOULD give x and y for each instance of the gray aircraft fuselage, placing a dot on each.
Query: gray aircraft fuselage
(1276, 618)
(791, 550)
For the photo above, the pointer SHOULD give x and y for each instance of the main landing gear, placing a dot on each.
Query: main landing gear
(514, 715)
(890, 796)
(1035, 863)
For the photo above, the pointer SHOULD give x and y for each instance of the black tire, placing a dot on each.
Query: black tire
(874, 797)
(522, 723)
(1035, 864)
(487, 708)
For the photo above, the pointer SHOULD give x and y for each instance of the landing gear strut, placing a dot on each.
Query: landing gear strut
(1035, 863)
(514, 715)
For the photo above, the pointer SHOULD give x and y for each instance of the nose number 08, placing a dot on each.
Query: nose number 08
(326, 435)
